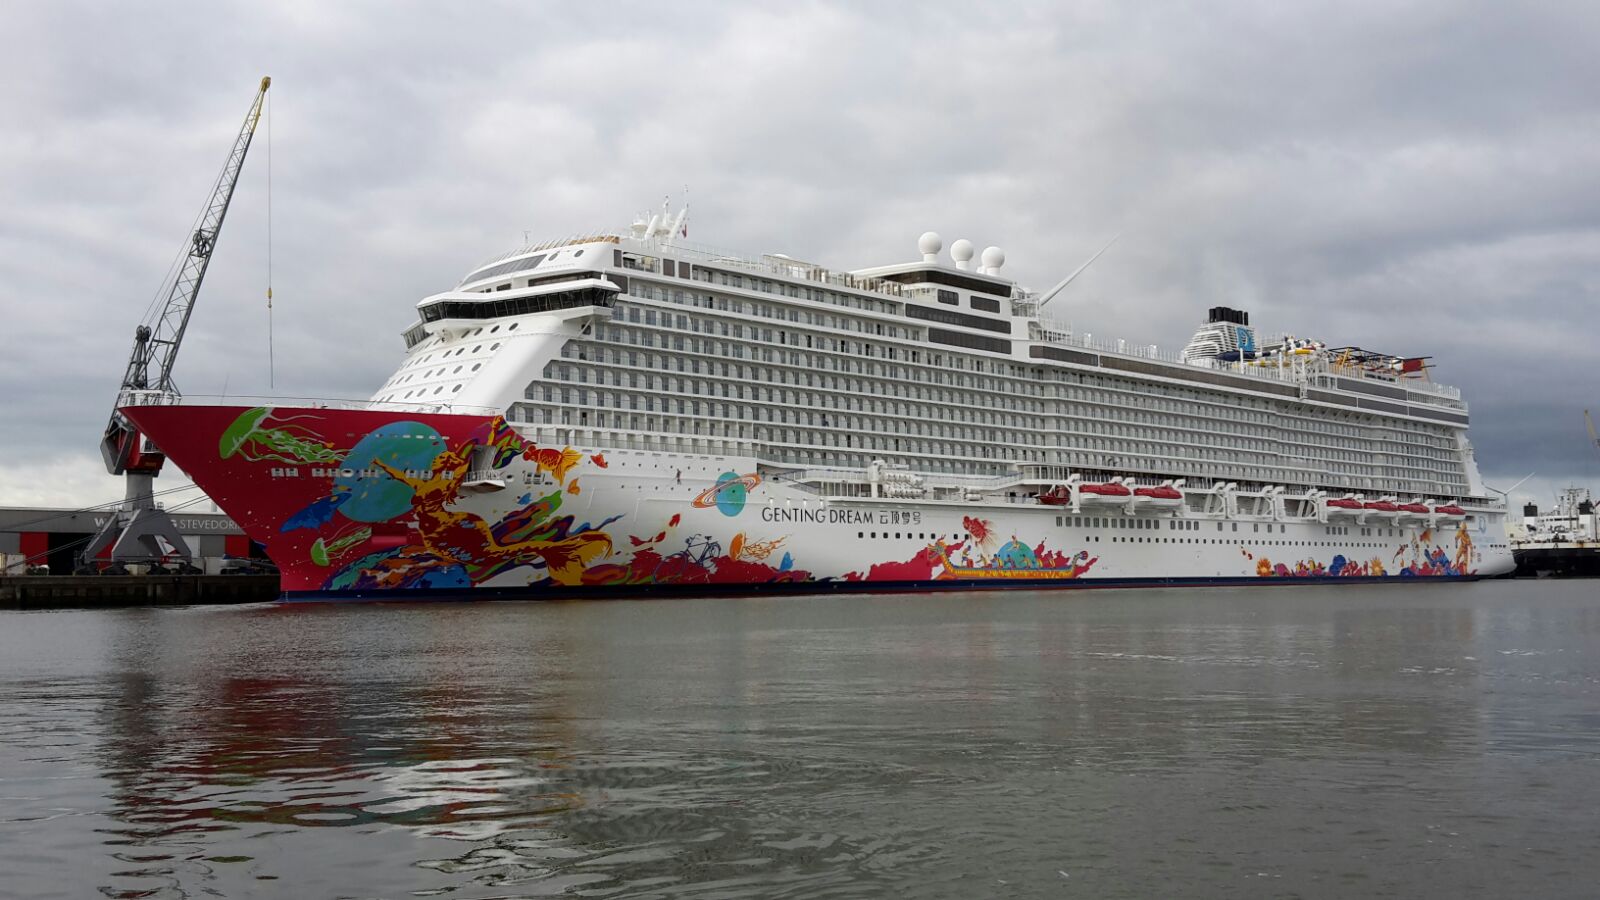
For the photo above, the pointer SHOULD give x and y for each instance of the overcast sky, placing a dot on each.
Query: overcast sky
(1420, 179)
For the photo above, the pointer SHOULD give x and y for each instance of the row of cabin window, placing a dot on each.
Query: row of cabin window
(820, 392)
(846, 359)
(1263, 419)
(986, 304)
(1443, 441)
(926, 422)
(1353, 471)
(947, 455)
(922, 426)
(1030, 376)
(741, 306)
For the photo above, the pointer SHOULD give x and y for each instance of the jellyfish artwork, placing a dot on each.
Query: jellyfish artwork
(258, 436)
(324, 552)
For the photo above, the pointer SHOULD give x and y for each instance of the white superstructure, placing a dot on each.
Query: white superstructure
(939, 381)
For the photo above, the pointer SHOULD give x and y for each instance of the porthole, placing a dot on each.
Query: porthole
(476, 349)
(513, 326)
(577, 252)
(438, 389)
(457, 369)
(494, 347)
(477, 366)
(494, 329)
(455, 389)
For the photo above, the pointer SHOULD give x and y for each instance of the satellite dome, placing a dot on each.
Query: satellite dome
(993, 258)
(961, 252)
(929, 245)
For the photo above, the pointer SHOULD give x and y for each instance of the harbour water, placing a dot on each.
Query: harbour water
(1393, 741)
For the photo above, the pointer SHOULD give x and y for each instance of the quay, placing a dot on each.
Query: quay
(111, 591)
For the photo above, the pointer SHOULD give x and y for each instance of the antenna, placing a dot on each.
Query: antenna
(1050, 294)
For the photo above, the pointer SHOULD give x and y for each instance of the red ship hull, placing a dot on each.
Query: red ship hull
(283, 473)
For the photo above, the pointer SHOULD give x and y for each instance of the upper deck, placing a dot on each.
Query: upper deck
(943, 368)
(976, 309)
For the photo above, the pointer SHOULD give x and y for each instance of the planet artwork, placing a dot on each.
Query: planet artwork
(379, 497)
(729, 493)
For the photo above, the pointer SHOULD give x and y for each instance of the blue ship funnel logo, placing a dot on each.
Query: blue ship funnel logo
(1247, 339)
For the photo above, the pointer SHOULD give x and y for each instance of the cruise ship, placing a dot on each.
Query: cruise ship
(625, 413)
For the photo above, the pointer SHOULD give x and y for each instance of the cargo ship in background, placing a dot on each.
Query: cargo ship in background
(625, 412)
(1561, 542)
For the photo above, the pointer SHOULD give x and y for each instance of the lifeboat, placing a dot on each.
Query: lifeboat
(1060, 495)
(1110, 492)
(1165, 496)
(1381, 508)
(1450, 511)
(1413, 512)
(1343, 507)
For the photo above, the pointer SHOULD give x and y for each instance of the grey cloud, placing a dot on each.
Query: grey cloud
(1419, 177)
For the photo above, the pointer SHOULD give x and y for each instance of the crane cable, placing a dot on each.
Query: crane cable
(271, 379)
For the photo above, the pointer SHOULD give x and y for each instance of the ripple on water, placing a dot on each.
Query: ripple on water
(1324, 742)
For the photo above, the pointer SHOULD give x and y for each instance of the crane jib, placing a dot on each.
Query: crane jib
(156, 343)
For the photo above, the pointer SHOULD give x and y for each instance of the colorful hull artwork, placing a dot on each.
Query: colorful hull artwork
(373, 504)
(1414, 558)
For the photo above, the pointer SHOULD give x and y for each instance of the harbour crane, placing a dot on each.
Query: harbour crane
(132, 531)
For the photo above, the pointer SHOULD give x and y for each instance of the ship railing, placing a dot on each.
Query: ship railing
(149, 398)
(780, 266)
(1418, 385)
(1058, 332)
(167, 398)
(616, 439)
(571, 240)
(928, 480)
(485, 477)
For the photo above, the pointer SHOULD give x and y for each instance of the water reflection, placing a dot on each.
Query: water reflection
(849, 746)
